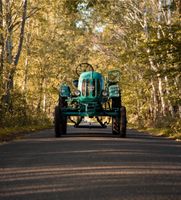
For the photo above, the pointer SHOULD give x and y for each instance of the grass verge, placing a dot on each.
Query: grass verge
(8, 134)
(164, 132)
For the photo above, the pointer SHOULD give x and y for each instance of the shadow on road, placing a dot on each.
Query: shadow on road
(90, 164)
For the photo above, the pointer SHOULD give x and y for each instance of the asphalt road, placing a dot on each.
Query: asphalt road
(90, 164)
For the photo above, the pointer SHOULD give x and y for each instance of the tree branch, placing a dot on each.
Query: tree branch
(32, 12)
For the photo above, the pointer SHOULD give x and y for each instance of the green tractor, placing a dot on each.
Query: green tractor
(95, 96)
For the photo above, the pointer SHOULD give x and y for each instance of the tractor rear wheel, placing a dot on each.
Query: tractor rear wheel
(62, 105)
(123, 122)
(59, 125)
(115, 126)
(60, 119)
(116, 103)
(119, 123)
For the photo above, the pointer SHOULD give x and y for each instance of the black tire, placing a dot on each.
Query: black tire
(59, 127)
(63, 104)
(116, 103)
(123, 122)
(119, 123)
(115, 126)
(64, 119)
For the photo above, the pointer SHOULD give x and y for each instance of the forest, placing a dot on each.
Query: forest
(42, 41)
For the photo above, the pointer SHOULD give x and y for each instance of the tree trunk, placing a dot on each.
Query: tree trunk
(44, 102)
(159, 17)
(160, 88)
(177, 105)
(169, 12)
(26, 63)
(10, 81)
(24, 85)
(178, 4)
(42, 99)
(1, 44)
(155, 101)
(8, 50)
(21, 38)
(168, 96)
(9, 41)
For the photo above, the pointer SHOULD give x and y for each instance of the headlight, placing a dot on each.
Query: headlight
(77, 93)
(104, 93)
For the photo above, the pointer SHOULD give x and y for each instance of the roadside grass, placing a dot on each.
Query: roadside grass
(163, 132)
(165, 127)
(11, 133)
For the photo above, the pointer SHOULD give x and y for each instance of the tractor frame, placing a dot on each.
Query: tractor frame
(95, 96)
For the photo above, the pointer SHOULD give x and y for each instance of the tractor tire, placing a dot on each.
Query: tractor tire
(119, 123)
(64, 125)
(116, 103)
(123, 122)
(60, 122)
(63, 104)
(59, 126)
(115, 126)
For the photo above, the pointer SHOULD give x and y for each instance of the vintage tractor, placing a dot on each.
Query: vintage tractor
(95, 96)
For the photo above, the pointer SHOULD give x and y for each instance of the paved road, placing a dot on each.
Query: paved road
(90, 164)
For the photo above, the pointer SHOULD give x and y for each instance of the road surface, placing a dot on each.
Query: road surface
(90, 164)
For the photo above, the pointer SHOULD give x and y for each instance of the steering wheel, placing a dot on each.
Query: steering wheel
(83, 67)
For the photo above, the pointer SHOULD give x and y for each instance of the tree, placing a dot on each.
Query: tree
(52, 37)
